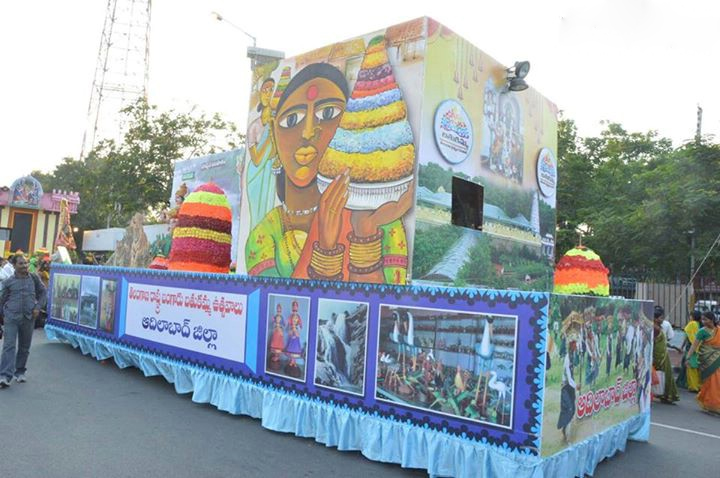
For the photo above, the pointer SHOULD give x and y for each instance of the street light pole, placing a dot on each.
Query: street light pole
(258, 56)
(220, 18)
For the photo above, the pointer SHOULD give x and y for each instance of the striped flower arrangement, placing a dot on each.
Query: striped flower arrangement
(581, 271)
(374, 139)
(202, 237)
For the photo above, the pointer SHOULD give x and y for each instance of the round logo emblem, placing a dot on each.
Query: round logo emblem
(546, 172)
(453, 131)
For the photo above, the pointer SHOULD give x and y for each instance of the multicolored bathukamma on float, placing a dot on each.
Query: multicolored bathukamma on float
(374, 140)
(581, 272)
(202, 238)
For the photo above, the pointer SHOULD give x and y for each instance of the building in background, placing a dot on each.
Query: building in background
(32, 215)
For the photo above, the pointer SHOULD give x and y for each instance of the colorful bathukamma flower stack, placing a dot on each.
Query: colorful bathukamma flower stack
(580, 271)
(202, 238)
(280, 89)
(374, 139)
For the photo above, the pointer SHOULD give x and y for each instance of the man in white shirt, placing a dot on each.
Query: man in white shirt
(666, 327)
(6, 270)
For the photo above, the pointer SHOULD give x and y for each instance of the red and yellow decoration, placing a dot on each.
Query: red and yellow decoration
(580, 271)
(202, 238)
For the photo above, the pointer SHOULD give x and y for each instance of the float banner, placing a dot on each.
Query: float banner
(599, 364)
(464, 362)
(196, 320)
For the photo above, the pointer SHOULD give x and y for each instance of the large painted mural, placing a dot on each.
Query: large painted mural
(329, 174)
(353, 150)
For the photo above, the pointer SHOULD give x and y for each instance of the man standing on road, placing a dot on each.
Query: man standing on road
(22, 297)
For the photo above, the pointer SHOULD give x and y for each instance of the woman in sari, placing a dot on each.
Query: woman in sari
(690, 376)
(260, 180)
(661, 362)
(707, 347)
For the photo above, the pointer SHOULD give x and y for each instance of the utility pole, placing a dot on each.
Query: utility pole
(698, 130)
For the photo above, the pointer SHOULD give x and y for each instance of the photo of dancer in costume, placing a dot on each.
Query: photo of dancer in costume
(449, 362)
(107, 305)
(287, 336)
(601, 346)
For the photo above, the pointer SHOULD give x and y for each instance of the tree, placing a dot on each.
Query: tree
(116, 180)
(639, 199)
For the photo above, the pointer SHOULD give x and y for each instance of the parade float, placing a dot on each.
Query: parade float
(393, 243)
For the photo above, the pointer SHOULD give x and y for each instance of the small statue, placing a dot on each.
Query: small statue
(65, 234)
(172, 214)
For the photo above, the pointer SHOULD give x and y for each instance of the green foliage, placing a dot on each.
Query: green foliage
(433, 176)
(478, 269)
(639, 198)
(116, 180)
(512, 200)
(430, 245)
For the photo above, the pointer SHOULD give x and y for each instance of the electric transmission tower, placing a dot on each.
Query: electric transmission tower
(121, 72)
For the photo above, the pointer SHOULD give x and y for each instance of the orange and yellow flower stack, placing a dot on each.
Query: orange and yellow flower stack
(581, 271)
(202, 238)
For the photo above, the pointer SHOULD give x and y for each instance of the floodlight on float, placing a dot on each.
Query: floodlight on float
(515, 76)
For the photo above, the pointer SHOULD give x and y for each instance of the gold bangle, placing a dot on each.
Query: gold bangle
(315, 275)
(328, 270)
(367, 248)
(327, 265)
(366, 270)
(365, 261)
(365, 255)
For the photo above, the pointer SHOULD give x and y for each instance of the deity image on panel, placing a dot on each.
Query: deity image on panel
(89, 301)
(65, 295)
(449, 362)
(287, 336)
(107, 305)
(341, 345)
(503, 145)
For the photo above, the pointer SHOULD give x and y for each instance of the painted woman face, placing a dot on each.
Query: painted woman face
(304, 126)
(266, 91)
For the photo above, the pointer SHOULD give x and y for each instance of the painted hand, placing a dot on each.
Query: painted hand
(330, 210)
(366, 223)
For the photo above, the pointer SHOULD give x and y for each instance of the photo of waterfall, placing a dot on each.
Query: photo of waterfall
(341, 345)
(287, 336)
(449, 362)
(89, 298)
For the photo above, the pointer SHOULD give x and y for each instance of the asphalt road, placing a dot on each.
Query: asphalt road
(77, 417)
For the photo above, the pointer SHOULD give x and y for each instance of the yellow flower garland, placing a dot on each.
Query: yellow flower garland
(377, 117)
(375, 167)
(197, 233)
(375, 59)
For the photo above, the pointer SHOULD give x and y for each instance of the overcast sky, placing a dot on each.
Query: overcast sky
(645, 64)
